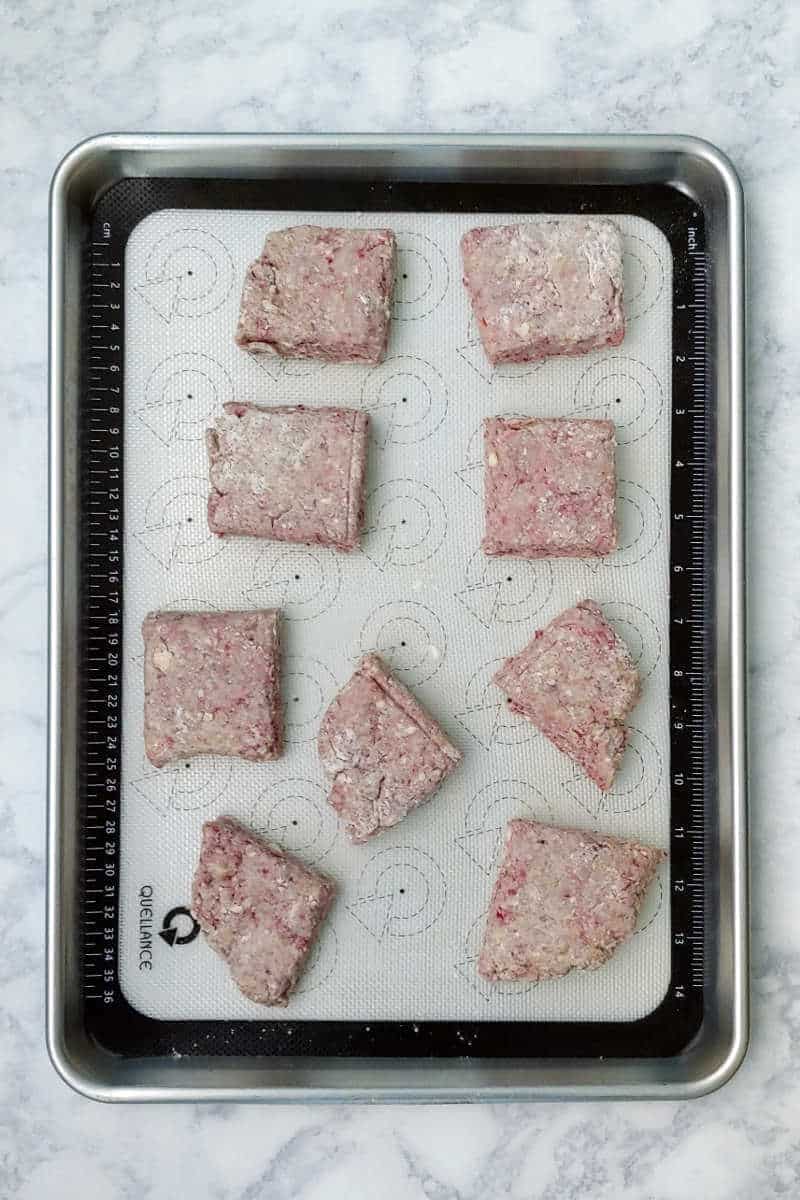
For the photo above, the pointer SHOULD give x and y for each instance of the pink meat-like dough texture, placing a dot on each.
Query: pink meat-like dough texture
(550, 487)
(320, 293)
(212, 685)
(545, 287)
(259, 908)
(290, 473)
(382, 751)
(576, 682)
(563, 899)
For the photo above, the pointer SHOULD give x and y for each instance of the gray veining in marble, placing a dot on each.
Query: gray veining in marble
(724, 70)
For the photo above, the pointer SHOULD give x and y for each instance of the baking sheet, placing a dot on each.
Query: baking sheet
(403, 937)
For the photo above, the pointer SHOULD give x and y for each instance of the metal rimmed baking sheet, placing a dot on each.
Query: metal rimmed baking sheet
(441, 169)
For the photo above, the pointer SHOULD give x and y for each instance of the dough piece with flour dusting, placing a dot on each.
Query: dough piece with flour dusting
(382, 751)
(576, 682)
(545, 287)
(259, 908)
(563, 898)
(291, 474)
(212, 685)
(550, 487)
(320, 293)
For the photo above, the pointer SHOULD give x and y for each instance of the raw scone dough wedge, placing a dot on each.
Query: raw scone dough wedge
(383, 753)
(576, 682)
(259, 908)
(563, 899)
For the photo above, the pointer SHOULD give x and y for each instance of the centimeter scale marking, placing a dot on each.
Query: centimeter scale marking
(101, 650)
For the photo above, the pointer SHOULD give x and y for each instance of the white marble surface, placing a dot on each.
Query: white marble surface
(725, 70)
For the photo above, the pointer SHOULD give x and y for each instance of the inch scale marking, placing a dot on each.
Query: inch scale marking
(101, 607)
(691, 618)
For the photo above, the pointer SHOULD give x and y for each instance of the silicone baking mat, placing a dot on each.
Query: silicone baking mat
(402, 940)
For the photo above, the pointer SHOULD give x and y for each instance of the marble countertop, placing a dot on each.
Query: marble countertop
(723, 69)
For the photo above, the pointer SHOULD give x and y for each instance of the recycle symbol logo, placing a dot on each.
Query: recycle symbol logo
(179, 927)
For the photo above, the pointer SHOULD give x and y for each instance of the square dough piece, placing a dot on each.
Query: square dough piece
(383, 752)
(545, 287)
(292, 474)
(320, 293)
(259, 908)
(550, 487)
(212, 685)
(563, 899)
(576, 682)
